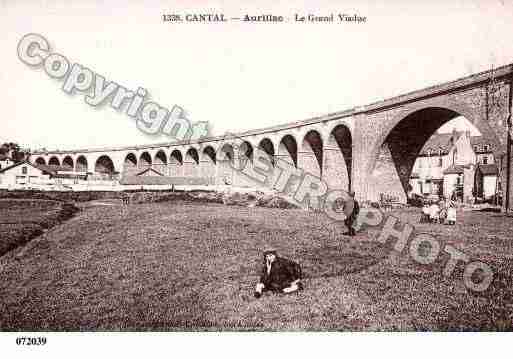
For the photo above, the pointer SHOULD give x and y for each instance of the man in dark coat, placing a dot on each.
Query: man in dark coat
(278, 275)
(351, 209)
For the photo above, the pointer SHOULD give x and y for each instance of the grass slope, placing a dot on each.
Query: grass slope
(193, 266)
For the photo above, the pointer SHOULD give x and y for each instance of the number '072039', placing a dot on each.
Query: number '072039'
(31, 341)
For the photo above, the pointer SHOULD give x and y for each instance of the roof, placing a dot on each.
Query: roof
(149, 170)
(439, 141)
(54, 168)
(454, 169)
(480, 141)
(26, 162)
(414, 175)
(488, 169)
(442, 141)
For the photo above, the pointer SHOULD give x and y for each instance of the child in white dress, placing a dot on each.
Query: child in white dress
(434, 213)
(451, 214)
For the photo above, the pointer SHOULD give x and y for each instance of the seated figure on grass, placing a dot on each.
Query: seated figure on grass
(279, 275)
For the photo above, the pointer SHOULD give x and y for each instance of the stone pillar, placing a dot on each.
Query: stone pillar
(334, 171)
(207, 171)
(225, 173)
(189, 167)
(307, 162)
(175, 170)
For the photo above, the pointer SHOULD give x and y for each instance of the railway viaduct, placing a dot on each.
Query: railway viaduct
(369, 149)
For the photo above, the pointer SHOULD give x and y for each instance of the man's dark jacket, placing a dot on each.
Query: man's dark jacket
(283, 273)
(349, 208)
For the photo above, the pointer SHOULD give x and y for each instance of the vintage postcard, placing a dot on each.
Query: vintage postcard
(185, 168)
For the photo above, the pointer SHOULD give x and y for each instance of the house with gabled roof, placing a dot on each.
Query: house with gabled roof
(27, 175)
(447, 159)
(23, 175)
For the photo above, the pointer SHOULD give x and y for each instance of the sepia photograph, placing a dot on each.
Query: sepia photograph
(231, 169)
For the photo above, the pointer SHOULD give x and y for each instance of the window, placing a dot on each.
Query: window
(486, 148)
(24, 170)
(476, 148)
(485, 160)
(440, 162)
(427, 187)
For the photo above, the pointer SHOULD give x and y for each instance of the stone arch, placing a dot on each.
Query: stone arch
(310, 156)
(160, 158)
(393, 155)
(176, 157)
(130, 164)
(456, 109)
(191, 162)
(104, 165)
(209, 154)
(267, 146)
(145, 160)
(337, 155)
(54, 161)
(175, 163)
(226, 152)
(81, 164)
(160, 162)
(40, 161)
(67, 163)
(208, 164)
(244, 156)
(288, 149)
(225, 161)
(192, 155)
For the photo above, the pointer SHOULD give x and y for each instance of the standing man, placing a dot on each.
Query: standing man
(351, 209)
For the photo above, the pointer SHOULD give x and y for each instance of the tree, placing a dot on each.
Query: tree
(14, 151)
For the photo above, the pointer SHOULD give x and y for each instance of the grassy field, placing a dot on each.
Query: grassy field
(193, 266)
(24, 219)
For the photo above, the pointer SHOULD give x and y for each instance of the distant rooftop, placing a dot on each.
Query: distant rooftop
(442, 142)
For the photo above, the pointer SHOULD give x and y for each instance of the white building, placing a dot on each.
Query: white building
(24, 175)
(447, 167)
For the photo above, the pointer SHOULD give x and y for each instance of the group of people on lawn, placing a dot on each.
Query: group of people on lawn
(281, 275)
(441, 212)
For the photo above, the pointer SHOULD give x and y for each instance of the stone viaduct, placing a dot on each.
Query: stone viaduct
(369, 149)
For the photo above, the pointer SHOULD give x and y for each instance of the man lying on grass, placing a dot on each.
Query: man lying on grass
(279, 275)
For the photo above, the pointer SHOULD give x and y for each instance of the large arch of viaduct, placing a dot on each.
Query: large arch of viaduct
(369, 149)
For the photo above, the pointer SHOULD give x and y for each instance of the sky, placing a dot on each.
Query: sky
(237, 76)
